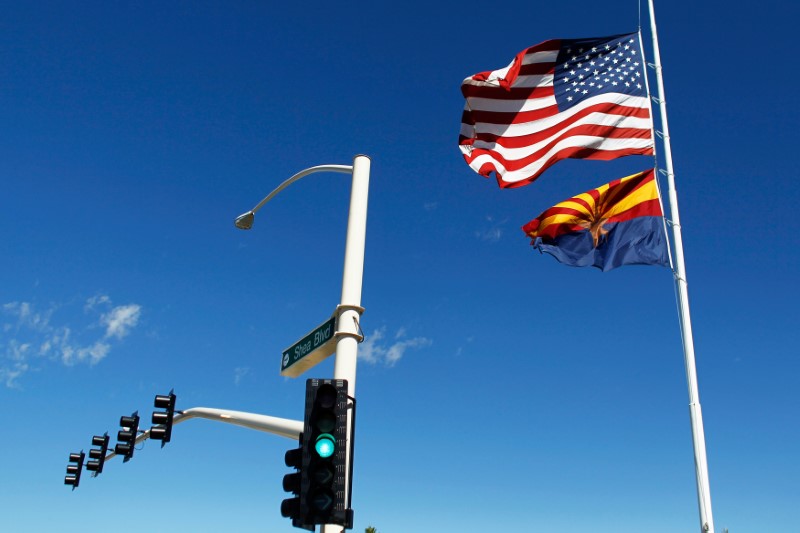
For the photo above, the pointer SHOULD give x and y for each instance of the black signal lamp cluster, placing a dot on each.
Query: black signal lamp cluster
(97, 456)
(126, 440)
(320, 486)
(74, 468)
(126, 437)
(163, 431)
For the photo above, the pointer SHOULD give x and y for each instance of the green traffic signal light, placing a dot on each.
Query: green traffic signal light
(324, 491)
(325, 445)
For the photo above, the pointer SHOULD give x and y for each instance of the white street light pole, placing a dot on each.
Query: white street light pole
(348, 330)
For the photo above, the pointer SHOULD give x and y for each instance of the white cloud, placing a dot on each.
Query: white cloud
(9, 375)
(460, 349)
(89, 354)
(239, 373)
(396, 350)
(94, 301)
(26, 317)
(492, 232)
(121, 319)
(31, 340)
(367, 350)
(373, 351)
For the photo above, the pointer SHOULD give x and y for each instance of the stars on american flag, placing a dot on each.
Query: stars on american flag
(585, 69)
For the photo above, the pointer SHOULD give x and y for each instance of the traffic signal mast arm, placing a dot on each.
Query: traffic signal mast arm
(269, 424)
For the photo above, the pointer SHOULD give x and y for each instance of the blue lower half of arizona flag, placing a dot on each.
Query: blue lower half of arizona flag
(639, 241)
(619, 223)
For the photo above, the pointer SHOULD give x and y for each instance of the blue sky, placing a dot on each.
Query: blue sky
(498, 390)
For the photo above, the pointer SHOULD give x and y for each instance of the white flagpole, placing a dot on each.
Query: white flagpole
(695, 413)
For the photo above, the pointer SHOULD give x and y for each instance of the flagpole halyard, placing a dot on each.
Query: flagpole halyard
(695, 411)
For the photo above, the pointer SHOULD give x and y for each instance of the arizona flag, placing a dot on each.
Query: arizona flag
(619, 223)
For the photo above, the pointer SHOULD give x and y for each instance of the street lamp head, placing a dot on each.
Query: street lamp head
(245, 221)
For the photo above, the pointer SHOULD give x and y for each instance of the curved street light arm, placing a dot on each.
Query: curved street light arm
(245, 221)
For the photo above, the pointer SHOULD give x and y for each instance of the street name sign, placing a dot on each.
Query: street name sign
(309, 350)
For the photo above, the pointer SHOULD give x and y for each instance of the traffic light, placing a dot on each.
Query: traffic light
(126, 438)
(291, 507)
(163, 431)
(323, 488)
(74, 468)
(97, 456)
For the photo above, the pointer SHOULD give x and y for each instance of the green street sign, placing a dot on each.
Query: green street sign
(309, 350)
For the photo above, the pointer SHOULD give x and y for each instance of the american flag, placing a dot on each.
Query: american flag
(563, 98)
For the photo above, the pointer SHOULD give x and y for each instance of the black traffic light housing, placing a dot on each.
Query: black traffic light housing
(324, 489)
(291, 507)
(97, 456)
(74, 468)
(163, 431)
(126, 438)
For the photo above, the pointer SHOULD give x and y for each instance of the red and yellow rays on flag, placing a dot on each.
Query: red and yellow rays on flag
(622, 199)
(616, 224)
